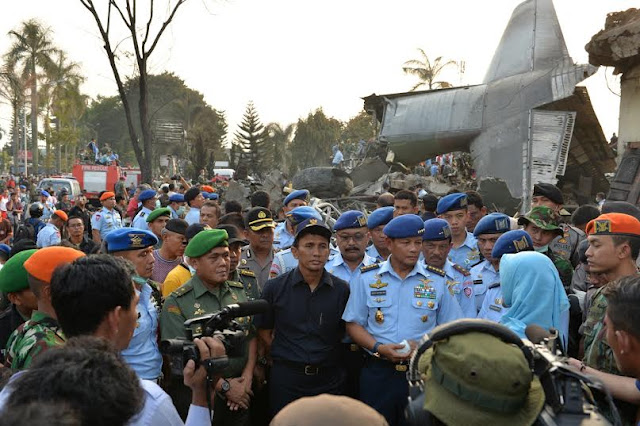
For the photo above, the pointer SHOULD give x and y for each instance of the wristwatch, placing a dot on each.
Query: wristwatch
(375, 348)
(225, 386)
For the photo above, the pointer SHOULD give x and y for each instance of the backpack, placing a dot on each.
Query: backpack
(26, 231)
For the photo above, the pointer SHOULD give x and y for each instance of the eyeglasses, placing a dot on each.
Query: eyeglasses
(355, 237)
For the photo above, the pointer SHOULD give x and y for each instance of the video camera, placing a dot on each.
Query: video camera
(570, 397)
(221, 325)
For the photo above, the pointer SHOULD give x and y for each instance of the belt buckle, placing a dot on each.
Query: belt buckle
(401, 367)
(310, 370)
(353, 347)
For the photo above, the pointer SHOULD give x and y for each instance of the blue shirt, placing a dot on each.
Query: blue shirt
(140, 221)
(283, 262)
(47, 211)
(48, 236)
(492, 308)
(372, 251)
(105, 221)
(461, 286)
(174, 214)
(193, 216)
(467, 255)
(143, 354)
(393, 309)
(282, 239)
(483, 275)
(336, 266)
(337, 158)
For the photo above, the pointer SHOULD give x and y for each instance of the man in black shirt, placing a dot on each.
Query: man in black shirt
(306, 310)
(80, 210)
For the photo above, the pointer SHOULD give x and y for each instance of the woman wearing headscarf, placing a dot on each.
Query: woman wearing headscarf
(533, 292)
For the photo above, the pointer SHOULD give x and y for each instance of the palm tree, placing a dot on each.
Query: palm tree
(279, 141)
(12, 89)
(426, 71)
(32, 49)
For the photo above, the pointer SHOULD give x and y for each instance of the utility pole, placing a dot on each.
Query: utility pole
(24, 139)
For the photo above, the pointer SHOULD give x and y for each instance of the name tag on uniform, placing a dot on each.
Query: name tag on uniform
(477, 282)
(495, 308)
(379, 292)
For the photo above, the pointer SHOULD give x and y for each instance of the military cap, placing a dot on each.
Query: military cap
(106, 195)
(380, 216)
(233, 233)
(300, 194)
(205, 241)
(301, 213)
(312, 225)
(210, 195)
(322, 410)
(44, 193)
(543, 217)
(13, 276)
(548, 190)
(451, 202)
(494, 223)
(147, 194)
(405, 226)
(164, 211)
(179, 226)
(191, 194)
(43, 262)
(458, 392)
(176, 198)
(512, 242)
(5, 249)
(436, 230)
(194, 229)
(125, 239)
(259, 218)
(614, 224)
(62, 215)
(350, 219)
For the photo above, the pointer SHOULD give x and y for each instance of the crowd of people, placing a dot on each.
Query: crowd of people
(89, 296)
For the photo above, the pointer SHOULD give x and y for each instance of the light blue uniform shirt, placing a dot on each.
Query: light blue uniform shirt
(283, 262)
(174, 214)
(48, 236)
(372, 251)
(143, 354)
(282, 239)
(392, 309)
(492, 308)
(462, 287)
(140, 221)
(193, 216)
(467, 254)
(105, 221)
(47, 211)
(336, 266)
(483, 275)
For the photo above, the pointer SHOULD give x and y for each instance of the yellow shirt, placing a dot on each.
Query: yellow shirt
(178, 276)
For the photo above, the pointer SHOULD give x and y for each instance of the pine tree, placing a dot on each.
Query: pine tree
(251, 137)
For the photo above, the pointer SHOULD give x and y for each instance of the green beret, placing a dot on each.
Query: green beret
(13, 276)
(164, 211)
(205, 241)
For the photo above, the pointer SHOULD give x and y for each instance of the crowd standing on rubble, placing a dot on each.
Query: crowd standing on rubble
(348, 303)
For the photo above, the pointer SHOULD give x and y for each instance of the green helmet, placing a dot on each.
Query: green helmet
(543, 217)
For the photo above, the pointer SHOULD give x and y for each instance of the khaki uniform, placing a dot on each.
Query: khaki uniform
(249, 261)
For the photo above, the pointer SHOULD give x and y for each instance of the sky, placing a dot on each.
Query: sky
(291, 57)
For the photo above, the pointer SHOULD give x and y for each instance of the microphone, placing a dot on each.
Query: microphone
(245, 309)
(537, 334)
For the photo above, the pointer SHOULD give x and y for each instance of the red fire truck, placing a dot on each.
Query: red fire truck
(95, 178)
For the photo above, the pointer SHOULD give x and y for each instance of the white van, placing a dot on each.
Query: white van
(59, 183)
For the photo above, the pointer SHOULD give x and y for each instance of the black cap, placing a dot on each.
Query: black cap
(548, 190)
(313, 226)
(194, 229)
(259, 218)
(179, 226)
(234, 234)
(191, 194)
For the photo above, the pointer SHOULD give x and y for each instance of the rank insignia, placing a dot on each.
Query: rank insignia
(425, 318)
(199, 312)
(174, 310)
(379, 299)
(379, 316)
(234, 297)
(430, 305)
(498, 301)
(451, 284)
(426, 281)
(378, 284)
(243, 261)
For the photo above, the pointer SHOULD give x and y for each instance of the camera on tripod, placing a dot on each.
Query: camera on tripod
(221, 325)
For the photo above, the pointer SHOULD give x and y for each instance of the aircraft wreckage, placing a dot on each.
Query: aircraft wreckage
(526, 123)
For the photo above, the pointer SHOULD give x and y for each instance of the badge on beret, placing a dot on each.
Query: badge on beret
(313, 221)
(362, 221)
(501, 224)
(463, 202)
(521, 244)
(136, 241)
(602, 226)
(446, 232)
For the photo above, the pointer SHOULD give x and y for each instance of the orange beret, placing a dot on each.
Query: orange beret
(207, 188)
(614, 224)
(107, 195)
(43, 262)
(62, 215)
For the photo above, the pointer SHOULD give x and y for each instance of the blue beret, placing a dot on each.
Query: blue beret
(45, 193)
(350, 219)
(147, 194)
(494, 223)
(380, 216)
(176, 198)
(405, 226)
(5, 248)
(436, 230)
(512, 242)
(456, 201)
(124, 239)
(300, 194)
(301, 213)
(210, 195)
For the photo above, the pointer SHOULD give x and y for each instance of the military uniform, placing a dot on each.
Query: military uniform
(460, 285)
(282, 238)
(105, 221)
(336, 266)
(372, 252)
(40, 333)
(48, 236)
(249, 281)
(565, 271)
(492, 308)
(10, 319)
(140, 221)
(482, 276)
(565, 245)
(466, 255)
(248, 261)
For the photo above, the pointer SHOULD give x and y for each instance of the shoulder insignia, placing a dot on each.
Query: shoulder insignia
(435, 270)
(142, 214)
(462, 270)
(183, 289)
(154, 284)
(235, 284)
(494, 285)
(246, 272)
(369, 267)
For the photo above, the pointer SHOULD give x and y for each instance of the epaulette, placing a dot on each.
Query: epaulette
(369, 267)
(460, 269)
(154, 284)
(183, 289)
(247, 273)
(436, 270)
(235, 284)
(494, 285)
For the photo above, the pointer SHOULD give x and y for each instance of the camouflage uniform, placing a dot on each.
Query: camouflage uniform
(35, 336)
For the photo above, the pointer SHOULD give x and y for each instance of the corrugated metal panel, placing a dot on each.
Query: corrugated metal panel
(551, 133)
